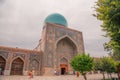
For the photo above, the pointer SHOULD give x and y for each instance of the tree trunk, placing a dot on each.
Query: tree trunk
(110, 75)
(118, 75)
(103, 75)
(118, 72)
(85, 76)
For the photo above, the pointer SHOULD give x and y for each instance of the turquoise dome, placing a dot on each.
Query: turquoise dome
(56, 19)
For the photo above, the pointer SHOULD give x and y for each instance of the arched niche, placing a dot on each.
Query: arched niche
(17, 66)
(2, 65)
(34, 65)
(66, 46)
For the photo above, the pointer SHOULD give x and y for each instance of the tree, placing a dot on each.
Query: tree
(99, 67)
(115, 55)
(118, 68)
(105, 64)
(82, 63)
(108, 11)
(108, 65)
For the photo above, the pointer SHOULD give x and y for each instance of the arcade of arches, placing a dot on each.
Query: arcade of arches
(14, 61)
(57, 46)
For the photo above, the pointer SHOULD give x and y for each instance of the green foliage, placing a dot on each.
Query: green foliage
(118, 68)
(108, 64)
(82, 63)
(108, 11)
(116, 55)
(105, 64)
(97, 65)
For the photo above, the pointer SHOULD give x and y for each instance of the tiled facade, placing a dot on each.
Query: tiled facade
(57, 46)
(28, 57)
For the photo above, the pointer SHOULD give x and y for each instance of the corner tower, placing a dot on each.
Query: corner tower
(59, 45)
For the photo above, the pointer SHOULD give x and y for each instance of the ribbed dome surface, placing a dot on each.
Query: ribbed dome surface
(56, 19)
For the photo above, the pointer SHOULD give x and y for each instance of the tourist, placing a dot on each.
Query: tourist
(73, 72)
(55, 72)
(30, 74)
(0, 71)
(77, 74)
(3, 72)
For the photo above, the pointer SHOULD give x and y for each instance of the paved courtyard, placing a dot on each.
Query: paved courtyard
(64, 77)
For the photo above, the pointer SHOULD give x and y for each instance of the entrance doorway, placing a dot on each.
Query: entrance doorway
(17, 67)
(63, 69)
(2, 65)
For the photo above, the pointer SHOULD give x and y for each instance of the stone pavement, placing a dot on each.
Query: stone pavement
(62, 77)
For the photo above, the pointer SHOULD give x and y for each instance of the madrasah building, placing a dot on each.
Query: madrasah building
(57, 46)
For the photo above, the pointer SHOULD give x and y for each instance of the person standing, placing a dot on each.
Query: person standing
(30, 74)
(0, 71)
(55, 72)
(77, 74)
(3, 72)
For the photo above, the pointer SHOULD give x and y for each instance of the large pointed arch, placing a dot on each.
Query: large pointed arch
(2, 64)
(66, 49)
(66, 36)
(17, 66)
(69, 44)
